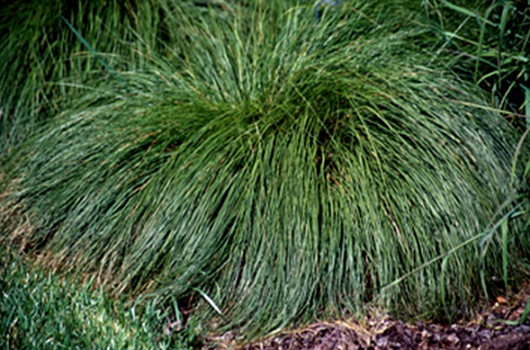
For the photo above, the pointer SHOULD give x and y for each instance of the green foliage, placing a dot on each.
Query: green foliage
(39, 311)
(490, 41)
(274, 168)
(43, 64)
(38, 52)
(259, 165)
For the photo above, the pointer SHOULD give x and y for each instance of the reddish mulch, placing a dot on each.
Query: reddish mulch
(385, 333)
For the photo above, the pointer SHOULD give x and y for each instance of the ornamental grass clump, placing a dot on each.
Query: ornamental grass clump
(276, 172)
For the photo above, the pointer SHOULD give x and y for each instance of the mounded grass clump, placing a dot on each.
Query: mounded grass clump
(276, 172)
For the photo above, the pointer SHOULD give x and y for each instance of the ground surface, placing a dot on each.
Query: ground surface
(486, 332)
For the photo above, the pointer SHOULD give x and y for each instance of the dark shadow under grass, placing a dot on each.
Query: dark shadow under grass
(281, 171)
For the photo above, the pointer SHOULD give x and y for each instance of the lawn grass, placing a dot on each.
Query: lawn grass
(40, 311)
(269, 168)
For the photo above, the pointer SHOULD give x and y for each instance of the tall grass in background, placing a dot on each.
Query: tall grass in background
(268, 169)
(43, 63)
(490, 41)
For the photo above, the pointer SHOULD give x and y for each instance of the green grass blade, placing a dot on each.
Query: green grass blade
(504, 240)
(520, 146)
(442, 287)
(95, 53)
(466, 11)
(209, 300)
(527, 105)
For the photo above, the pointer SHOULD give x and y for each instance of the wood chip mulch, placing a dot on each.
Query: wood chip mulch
(390, 335)
(382, 332)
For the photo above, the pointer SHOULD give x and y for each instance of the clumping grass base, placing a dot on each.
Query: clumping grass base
(281, 171)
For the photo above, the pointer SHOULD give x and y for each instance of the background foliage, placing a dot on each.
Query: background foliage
(490, 43)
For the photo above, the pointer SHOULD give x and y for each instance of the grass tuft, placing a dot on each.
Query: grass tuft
(276, 172)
